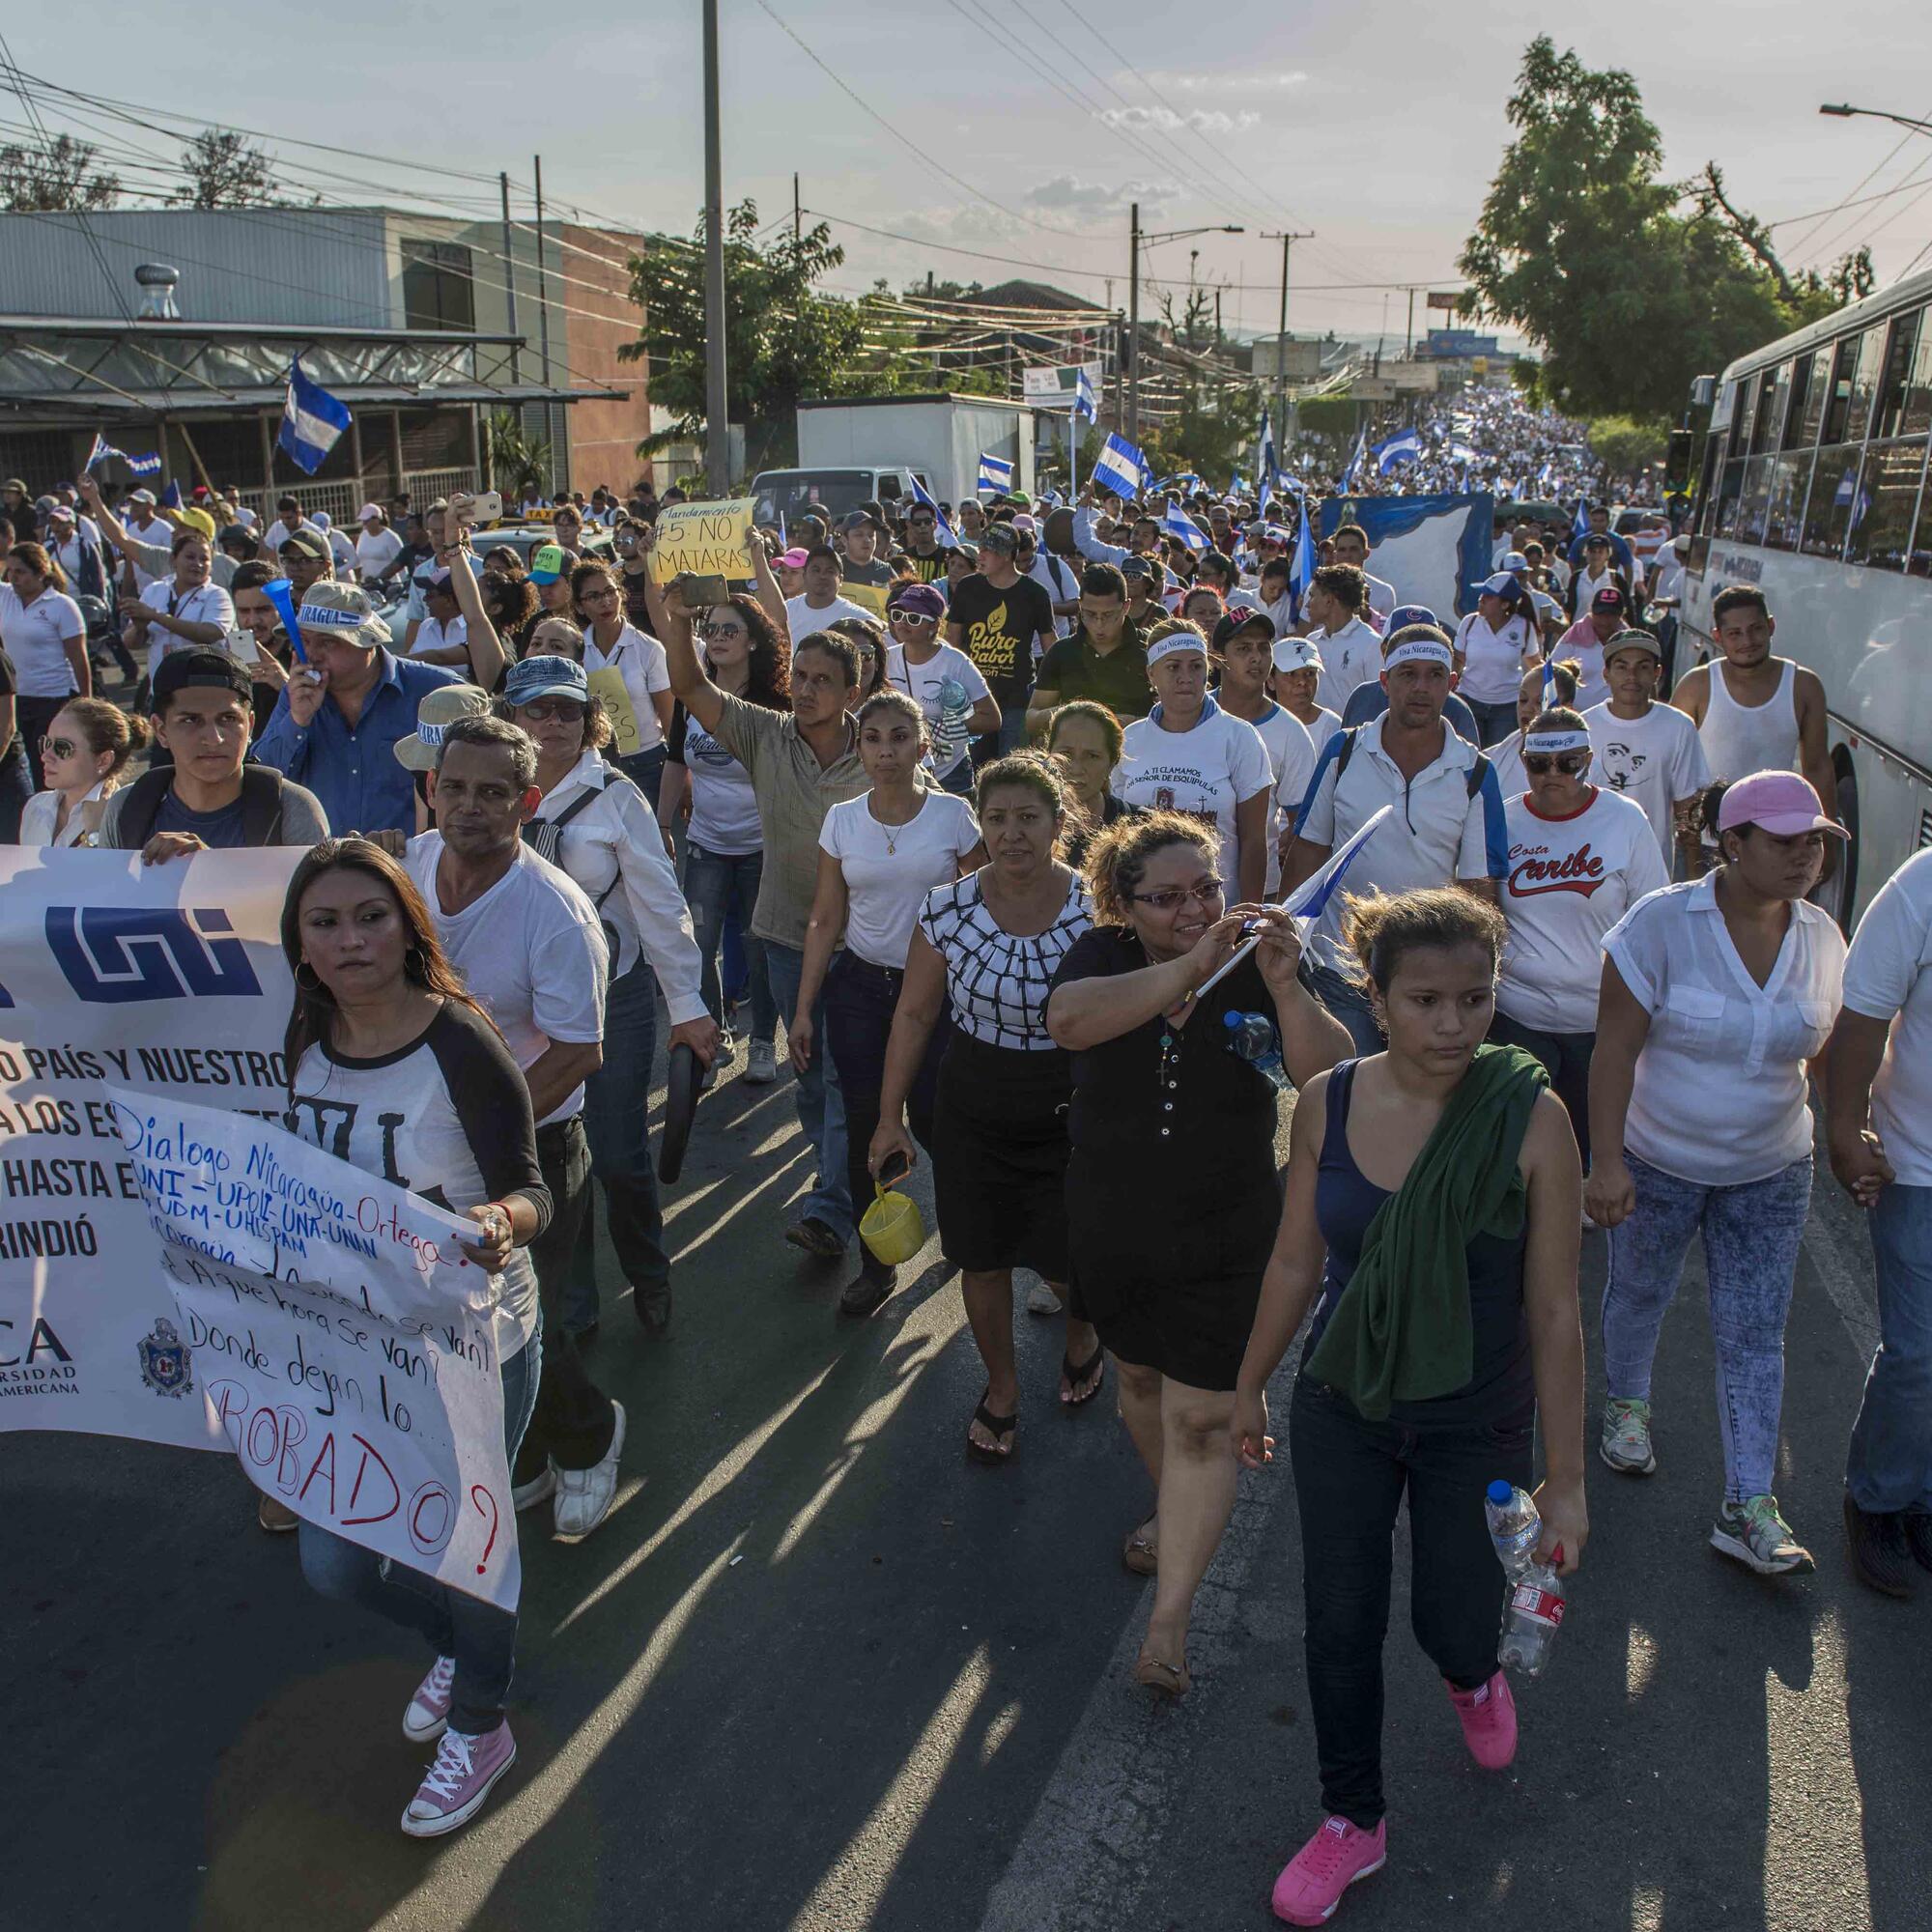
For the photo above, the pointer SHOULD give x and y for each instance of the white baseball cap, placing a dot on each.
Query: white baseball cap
(367, 511)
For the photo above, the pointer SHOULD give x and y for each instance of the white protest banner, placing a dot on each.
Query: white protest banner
(338, 1334)
(706, 539)
(166, 980)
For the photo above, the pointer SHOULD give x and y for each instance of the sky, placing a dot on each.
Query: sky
(1036, 123)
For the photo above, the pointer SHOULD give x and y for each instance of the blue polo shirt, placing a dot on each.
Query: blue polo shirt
(355, 774)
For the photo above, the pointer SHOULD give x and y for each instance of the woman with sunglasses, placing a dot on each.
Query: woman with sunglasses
(611, 642)
(1579, 857)
(746, 654)
(1172, 1191)
(943, 681)
(84, 753)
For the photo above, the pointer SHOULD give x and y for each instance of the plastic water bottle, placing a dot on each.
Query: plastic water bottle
(1535, 1610)
(953, 712)
(1251, 1037)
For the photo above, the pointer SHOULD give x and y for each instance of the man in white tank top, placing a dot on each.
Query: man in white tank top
(1755, 712)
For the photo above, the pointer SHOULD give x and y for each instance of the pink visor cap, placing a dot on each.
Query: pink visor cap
(1781, 803)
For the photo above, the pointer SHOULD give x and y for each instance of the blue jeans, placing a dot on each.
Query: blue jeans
(1493, 722)
(616, 1119)
(481, 1637)
(715, 884)
(646, 770)
(16, 788)
(821, 1106)
(1751, 1255)
(1347, 1002)
(1891, 1463)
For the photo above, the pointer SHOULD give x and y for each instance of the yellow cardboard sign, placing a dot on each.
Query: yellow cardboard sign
(609, 685)
(706, 539)
(868, 596)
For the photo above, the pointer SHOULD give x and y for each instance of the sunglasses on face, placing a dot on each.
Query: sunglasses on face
(547, 710)
(711, 633)
(59, 748)
(918, 619)
(1538, 764)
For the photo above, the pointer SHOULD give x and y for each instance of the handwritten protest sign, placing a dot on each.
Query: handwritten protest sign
(868, 596)
(609, 685)
(166, 980)
(707, 539)
(333, 1325)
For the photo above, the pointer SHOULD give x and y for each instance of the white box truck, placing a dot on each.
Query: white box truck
(938, 438)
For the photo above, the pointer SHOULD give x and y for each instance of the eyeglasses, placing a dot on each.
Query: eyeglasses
(711, 633)
(547, 710)
(918, 619)
(58, 748)
(1204, 892)
(1538, 763)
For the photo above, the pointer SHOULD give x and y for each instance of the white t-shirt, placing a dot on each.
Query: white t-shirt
(1887, 977)
(34, 636)
(343, 549)
(1292, 757)
(642, 664)
(1062, 588)
(1492, 659)
(724, 806)
(1569, 881)
(1326, 725)
(1382, 600)
(1204, 773)
(374, 553)
(530, 949)
(209, 604)
(1653, 760)
(804, 622)
(1720, 1093)
(923, 681)
(1506, 762)
(432, 636)
(885, 886)
(1349, 657)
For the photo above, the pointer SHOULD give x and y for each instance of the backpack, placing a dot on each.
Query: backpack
(545, 836)
(261, 806)
(1349, 733)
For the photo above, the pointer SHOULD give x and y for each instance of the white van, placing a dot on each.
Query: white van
(784, 495)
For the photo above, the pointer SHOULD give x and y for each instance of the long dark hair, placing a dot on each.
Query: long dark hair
(768, 675)
(312, 1017)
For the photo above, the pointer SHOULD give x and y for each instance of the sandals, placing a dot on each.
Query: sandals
(1141, 1555)
(1077, 1373)
(1001, 1428)
(1165, 1680)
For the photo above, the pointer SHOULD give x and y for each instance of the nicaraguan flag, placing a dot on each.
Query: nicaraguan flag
(1178, 524)
(312, 420)
(1085, 408)
(1120, 465)
(1267, 464)
(1544, 474)
(996, 474)
(1355, 461)
(141, 466)
(943, 533)
(1580, 528)
(1301, 570)
(1403, 446)
(1309, 898)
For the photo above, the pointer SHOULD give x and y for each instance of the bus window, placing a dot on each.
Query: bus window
(1755, 500)
(1834, 485)
(1839, 398)
(1808, 401)
(1864, 382)
(1724, 524)
(1775, 389)
(1880, 520)
(1785, 514)
(1905, 395)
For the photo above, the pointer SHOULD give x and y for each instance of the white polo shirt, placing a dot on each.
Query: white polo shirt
(1440, 833)
(209, 604)
(35, 637)
(645, 670)
(1349, 657)
(1292, 757)
(1720, 1093)
(1887, 976)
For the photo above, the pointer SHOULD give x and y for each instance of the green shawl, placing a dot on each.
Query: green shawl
(1401, 1331)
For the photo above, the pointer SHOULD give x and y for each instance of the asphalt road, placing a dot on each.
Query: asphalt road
(817, 1671)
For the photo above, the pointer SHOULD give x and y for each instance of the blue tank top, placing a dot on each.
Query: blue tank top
(1346, 1202)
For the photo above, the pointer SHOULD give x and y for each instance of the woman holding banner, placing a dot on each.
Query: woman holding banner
(396, 1070)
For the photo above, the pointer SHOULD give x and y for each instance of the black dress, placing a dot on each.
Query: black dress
(1173, 1194)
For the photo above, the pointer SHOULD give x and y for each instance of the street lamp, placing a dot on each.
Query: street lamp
(1844, 113)
(1139, 241)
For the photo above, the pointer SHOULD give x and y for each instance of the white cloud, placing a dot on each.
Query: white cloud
(1225, 83)
(1165, 121)
(1070, 193)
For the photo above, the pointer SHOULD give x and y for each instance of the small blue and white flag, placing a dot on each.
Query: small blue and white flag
(1311, 897)
(1544, 474)
(141, 466)
(1085, 408)
(1287, 480)
(943, 533)
(1403, 446)
(1580, 528)
(1302, 569)
(1178, 524)
(1120, 467)
(996, 474)
(1356, 460)
(312, 421)
(1461, 452)
(1267, 464)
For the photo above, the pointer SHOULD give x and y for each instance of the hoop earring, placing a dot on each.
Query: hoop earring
(313, 983)
(414, 964)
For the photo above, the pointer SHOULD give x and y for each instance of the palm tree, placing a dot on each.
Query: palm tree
(521, 463)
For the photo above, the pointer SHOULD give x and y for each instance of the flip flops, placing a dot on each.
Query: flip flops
(1000, 1427)
(1077, 1373)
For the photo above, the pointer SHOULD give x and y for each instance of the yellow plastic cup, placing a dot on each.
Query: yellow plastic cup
(893, 1227)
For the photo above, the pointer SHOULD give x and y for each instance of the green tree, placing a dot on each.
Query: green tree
(1631, 284)
(517, 460)
(222, 169)
(57, 178)
(1625, 446)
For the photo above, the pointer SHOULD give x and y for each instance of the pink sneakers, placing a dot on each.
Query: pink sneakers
(457, 1783)
(428, 1716)
(1311, 1885)
(1488, 1720)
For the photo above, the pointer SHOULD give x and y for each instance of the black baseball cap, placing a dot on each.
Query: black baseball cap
(199, 666)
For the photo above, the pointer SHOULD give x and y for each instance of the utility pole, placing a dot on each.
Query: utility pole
(557, 470)
(717, 407)
(510, 277)
(797, 215)
(1288, 237)
(1409, 348)
(1130, 372)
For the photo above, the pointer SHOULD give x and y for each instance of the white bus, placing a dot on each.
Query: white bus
(1814, 490)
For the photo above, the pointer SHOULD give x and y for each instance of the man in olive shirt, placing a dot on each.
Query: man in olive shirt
(1105, 659)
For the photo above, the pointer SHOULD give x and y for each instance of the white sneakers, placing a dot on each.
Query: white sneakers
(584, 1496)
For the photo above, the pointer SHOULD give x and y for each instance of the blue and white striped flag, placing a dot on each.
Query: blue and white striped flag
(1580, 528)
(1178, 524)
(312, 421)
(943, 533)
(1356, 460)
(1301, 570)
(1403, 446)
(1120, 467)
(141, 466)
(1267, 464)
(996, 474)
(1085, 408)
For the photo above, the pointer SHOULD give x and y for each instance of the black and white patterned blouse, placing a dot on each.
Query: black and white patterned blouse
(998, 983)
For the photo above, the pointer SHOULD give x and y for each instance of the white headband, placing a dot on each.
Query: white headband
(1175, 640)
(430, 734)
(1557, 741)
(327, 618)
(1419, 650)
